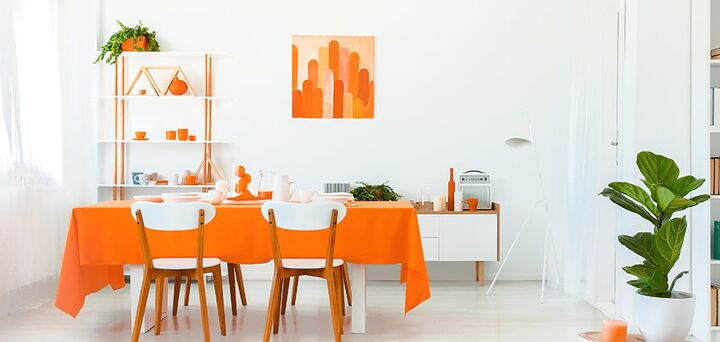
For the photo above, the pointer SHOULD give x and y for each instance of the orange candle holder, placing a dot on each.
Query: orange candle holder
(170, 135)
(190, 180)
(192, 138)
(614, 331)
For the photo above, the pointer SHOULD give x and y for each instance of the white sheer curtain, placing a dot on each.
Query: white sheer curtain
(589, 242)
(33, 212)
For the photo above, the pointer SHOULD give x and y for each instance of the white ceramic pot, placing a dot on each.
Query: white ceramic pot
(664, 319)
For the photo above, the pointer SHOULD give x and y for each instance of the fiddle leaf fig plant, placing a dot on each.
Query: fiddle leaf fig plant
(660, 248)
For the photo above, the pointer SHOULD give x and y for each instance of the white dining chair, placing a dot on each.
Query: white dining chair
(304, 217)
(181, 216)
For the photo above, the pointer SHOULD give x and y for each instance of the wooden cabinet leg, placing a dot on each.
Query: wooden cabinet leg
(480, 272)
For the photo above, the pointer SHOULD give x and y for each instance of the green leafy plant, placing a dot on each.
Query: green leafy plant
(379, 192)
(113, 47)
(660, 248)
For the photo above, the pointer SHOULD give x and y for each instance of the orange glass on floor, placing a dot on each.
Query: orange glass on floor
(190, 180)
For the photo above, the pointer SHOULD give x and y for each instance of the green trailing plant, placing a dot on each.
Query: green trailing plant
(379, 192)
(660, 248)
(113, 47)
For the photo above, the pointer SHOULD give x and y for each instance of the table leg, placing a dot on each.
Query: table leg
(358, 280)
(136, 276)
(480, 272)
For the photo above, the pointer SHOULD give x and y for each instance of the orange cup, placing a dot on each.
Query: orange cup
(472, 203)
(182, 134)
(143, 91)
(190, 180)
(140, 135)
(192, 137)
(170, 135)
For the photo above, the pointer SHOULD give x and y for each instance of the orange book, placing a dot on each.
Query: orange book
(716, 173)
(712, 175)
(714, 306)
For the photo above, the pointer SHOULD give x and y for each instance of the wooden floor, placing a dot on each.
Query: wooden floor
(457, 311)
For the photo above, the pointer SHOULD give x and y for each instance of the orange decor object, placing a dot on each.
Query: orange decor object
(338, 74)
(451, 191)
(241, 185)
(178, 87)
(182, 134)
(192, 138)
(103, 237)
(140, 135)
(614, 331)
(472, 203)
(170, 135)
(140, 43)
(142, 92)
(190, 180)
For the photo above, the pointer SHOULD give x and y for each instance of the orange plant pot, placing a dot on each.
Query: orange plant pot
(140, 42)
(182, 134)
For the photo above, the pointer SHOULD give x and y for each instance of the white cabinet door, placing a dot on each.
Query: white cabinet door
(467, 237)
(428, 225)
(430, 248)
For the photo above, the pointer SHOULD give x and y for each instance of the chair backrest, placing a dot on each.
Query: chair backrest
(172, 215)
(303, 216)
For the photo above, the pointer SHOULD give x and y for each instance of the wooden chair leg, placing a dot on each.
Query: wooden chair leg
(142, 303)
(241, 284)
(340, 291)
(176, 294)
(217, 282)
(332, 294)
(346, 283)
(276, 312)
(231, 281)
(283, 301)
(159, 282)
(296, 280)
(187, 290)
(270, 317)
(203, 306)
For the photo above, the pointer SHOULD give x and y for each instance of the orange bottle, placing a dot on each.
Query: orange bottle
(451, 191)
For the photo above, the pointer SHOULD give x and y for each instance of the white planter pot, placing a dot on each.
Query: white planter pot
(664, 319)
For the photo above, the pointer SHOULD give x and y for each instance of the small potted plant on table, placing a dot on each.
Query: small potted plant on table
(137, 38)
(379, 192)
(662, 313)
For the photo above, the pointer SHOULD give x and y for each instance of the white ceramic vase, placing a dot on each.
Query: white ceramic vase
(664, 319)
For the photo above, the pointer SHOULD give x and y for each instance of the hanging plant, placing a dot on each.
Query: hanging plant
(137, 38)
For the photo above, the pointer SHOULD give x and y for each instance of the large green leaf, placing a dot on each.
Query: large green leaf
(652, 188)
(657, 169)
(651, 277)
(684, 185)
(642, 244)
(636, 193)
(628, 204)
(664, 197)
(668, 243)
(700, 198)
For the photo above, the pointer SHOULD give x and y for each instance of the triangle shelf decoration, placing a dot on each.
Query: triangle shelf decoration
(145, 71)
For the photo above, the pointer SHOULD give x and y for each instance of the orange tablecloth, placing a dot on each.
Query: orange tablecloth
(102, 237)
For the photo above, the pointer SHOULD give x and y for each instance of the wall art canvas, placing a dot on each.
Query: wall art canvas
(333, 77)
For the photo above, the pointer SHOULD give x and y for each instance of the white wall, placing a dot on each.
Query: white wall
(449, 75)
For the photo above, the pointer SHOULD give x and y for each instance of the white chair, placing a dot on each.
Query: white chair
(304, 217)
(176, 217)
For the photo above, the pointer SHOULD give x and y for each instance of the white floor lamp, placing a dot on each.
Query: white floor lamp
(520, 137)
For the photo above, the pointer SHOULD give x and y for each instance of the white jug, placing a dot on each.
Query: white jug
(281, 188)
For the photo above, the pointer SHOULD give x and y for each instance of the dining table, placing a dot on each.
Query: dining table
(102, 238)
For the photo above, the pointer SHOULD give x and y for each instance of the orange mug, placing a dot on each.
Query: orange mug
(182, 134)
(192, 138)
(190, 180)
(472, 203)
(140, 135)
(170, 135)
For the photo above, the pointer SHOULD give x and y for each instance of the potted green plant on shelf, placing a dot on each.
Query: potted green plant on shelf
(379, 192)
(662, 313)
(137, 38)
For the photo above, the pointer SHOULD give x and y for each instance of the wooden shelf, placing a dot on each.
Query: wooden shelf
(200, 186)
(154, 97)
(176, 142)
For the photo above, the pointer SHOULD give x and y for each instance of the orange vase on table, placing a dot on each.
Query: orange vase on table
(178, 87)
(451, 191)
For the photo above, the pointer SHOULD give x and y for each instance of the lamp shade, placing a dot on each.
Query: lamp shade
(520, 135)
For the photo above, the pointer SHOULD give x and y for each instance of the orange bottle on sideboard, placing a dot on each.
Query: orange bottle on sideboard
(451, 191)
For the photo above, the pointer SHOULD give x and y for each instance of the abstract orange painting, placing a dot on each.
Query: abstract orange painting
(333, 77)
